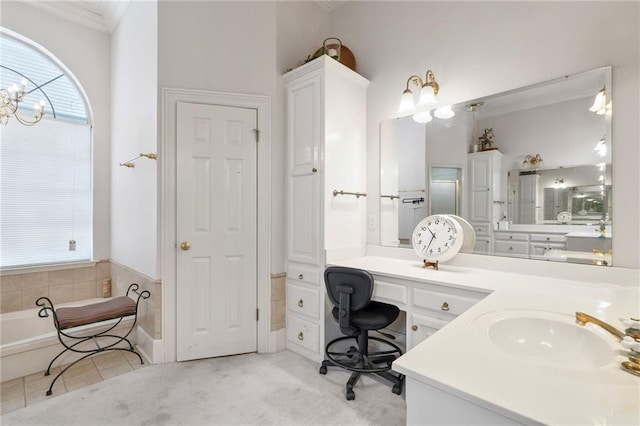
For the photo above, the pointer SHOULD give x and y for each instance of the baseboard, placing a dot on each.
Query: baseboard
(151, 349)
(277, 340)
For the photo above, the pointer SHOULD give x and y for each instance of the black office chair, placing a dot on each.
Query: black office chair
(350, 291)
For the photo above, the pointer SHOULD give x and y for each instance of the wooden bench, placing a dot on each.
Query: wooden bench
(67, 319)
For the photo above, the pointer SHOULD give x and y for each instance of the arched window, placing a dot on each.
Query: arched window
(46, 168)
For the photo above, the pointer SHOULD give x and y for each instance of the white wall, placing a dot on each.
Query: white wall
(480, 48)
(85, 52)
(134, 121)
(564, 134)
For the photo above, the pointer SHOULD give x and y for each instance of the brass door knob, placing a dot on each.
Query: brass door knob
(185, 245)
(414, 327)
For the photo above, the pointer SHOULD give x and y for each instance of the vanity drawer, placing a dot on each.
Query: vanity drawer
(303, 273)
(483, 245)
(390, 292)
(551, 238)
(441, 301)
(304, 301)
(303, 333)
(481, 228)
(511, 248)
(511, 236)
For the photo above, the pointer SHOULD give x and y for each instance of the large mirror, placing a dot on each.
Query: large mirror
(541, 190)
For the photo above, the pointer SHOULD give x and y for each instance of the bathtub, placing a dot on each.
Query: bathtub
(28, 343)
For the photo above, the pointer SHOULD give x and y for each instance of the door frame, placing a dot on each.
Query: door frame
(167, 201)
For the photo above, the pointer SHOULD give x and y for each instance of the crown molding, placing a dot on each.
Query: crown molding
(98, 15)
(329, 5)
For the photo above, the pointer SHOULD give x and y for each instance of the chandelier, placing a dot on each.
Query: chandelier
(11, 99)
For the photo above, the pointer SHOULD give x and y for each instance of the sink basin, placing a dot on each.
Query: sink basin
(546, 338)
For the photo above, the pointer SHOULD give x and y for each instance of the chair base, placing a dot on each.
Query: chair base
(376, 362)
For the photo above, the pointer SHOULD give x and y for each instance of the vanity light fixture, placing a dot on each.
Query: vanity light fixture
(601, 148)
(444, 112)
(559, 183)
(600, 105)
(532, 160)
(429, 89)
(10, 99)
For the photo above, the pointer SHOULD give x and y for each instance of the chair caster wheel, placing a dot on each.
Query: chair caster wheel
(323, 370)
(397, 389)
(350, 395)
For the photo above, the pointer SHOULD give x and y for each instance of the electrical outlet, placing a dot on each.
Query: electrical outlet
(72, 245)
(372, 222)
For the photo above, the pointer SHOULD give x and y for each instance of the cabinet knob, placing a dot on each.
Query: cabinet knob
(301, 336)
(444, 307)
(301, 303)
(511, 237)
(414, 327)
(510, 248)
(314, 170)
(301, 277)
(548, 238)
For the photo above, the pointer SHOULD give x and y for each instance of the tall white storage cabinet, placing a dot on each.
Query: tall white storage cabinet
(326, 151)
(485, 205)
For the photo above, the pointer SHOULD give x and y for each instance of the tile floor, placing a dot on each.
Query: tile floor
(29, 390)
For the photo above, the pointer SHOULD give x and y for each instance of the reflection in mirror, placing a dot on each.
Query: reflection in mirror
(444, 190)
(540, 190)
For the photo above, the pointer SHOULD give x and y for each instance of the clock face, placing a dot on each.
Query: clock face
(564, 217)
(437, 237)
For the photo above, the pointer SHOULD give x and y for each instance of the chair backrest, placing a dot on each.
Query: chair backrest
(349, 289)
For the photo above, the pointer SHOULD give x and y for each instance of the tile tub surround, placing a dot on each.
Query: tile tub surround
(278, 301)
(150, 310)
(20, 291)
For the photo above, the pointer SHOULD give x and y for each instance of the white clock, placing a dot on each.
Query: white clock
(564, 217)
(437, 238)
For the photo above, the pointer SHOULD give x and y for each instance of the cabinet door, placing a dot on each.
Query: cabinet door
(528, 198)
(303, 164)
(481, 202)
(421, 327)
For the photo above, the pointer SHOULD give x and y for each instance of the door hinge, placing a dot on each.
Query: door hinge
(257, 134)
(257, 314)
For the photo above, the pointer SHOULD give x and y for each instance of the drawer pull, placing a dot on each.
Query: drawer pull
(301, 277)
(301, 303)
(444, 307)
(301, 336)
(414, 327)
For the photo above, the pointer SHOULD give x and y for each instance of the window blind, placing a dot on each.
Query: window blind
(45, 193)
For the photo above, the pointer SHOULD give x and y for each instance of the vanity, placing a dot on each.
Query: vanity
(489, 339)
(489, 346)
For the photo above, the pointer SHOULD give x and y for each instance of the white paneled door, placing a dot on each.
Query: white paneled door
(216, 231)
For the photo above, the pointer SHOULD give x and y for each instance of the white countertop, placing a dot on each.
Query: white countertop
(462, 361)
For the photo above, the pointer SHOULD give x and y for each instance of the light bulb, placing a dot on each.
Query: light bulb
(422, 117)
(427, 98)
(444, 112)
(599, 103)
(407, 104)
